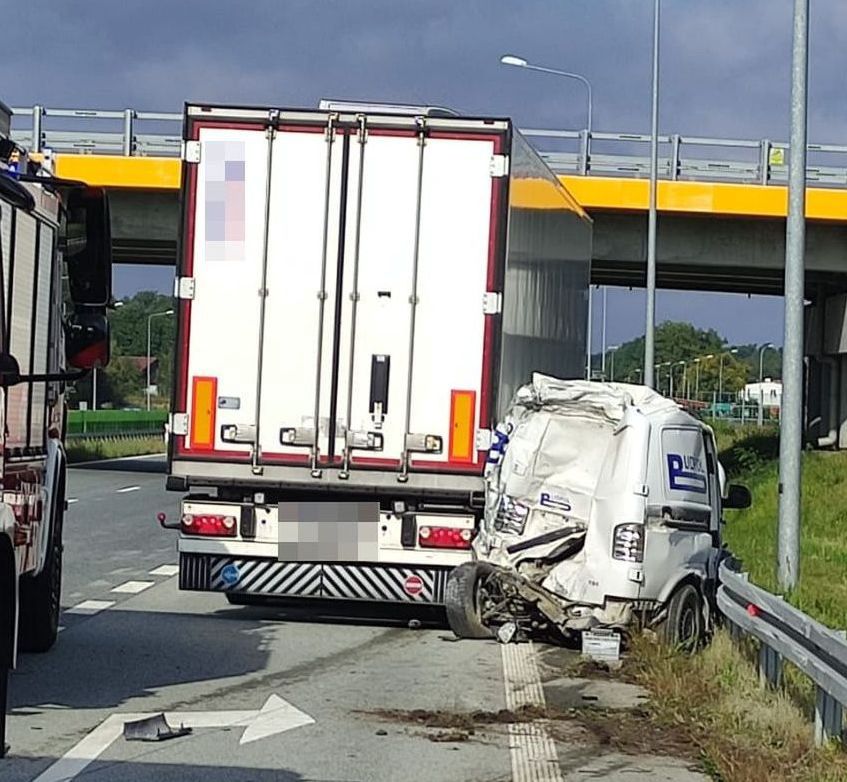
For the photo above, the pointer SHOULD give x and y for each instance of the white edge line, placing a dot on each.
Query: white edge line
(127, 489)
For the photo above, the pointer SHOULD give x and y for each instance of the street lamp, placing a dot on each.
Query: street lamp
(720, 372)
(762, 350)
(656, 368)
(520, 62)
(649, 331)
(149, 324)
(697, 382)
(116, 305)
(678, 363)
(613, 350)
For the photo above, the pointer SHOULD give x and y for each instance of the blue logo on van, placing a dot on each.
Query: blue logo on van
(230, 574)
(686, 473)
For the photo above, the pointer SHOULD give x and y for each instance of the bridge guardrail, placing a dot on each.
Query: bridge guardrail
(764, 162)
(786, 633)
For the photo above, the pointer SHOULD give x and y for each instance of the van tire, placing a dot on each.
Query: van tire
(683, 627)
(41, 595)
(461, 599)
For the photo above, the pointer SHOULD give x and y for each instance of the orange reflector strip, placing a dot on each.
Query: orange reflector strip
(462, 430)
(204, 397)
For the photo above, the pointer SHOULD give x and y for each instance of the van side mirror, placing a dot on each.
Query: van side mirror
(87, 343)
(87, 246)
(738, 497)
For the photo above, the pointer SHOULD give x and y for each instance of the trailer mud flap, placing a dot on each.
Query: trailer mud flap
(372, 582)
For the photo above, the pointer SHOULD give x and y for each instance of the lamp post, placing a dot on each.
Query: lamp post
(697, 381)
(613, 350)
(116, 305)
(762, 350)
(520, 62)
(656, 368)
(149, 324)
(649, 331)
(720, 372)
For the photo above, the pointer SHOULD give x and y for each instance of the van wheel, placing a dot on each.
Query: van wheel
(683, 626)
(462, 600)
(41, 595)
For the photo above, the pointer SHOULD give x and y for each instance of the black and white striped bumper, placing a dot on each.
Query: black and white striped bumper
(381, 583)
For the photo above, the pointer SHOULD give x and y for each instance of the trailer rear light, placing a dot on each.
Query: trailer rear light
(628, 543)
(210, 525)
(462, 429)
(204, 395)
(238, 433)
(444, 537)
(424, 443)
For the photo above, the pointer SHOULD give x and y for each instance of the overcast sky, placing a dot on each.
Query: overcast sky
(725, 72)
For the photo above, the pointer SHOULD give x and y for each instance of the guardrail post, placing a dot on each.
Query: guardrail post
(675, 162)
(770, 667)
(584, 151)
(829, 718)
(765, 161)
(129, 137)
(37, 115)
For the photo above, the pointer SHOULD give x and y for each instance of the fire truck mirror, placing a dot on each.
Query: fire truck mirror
(87, 343)
(10, 370)
(87, 246)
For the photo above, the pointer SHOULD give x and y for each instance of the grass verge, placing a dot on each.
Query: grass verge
(744, 733)
(83, 450)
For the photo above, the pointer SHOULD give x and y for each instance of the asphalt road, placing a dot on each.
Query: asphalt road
(270, 694)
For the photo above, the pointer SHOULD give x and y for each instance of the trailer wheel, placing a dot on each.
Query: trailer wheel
(683, 626)
(41, 595)
(462, 600)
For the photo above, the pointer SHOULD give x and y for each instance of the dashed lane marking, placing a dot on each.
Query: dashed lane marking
(133, 587)
(165, 570)
(90, 607)
(72, 500)
(127, 489)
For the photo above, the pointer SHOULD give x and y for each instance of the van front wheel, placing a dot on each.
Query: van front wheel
(462, 600)
(683, 626)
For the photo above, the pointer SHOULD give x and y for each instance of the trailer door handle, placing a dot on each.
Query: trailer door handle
(380, 372)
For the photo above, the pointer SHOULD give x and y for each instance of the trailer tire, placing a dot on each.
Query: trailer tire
(41, 595)
(683, 627)
(461, 599)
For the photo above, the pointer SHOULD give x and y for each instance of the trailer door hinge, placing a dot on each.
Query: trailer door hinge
(191, 151)
(179, 423)
(492, 303)
(499, 165)
(184, 288)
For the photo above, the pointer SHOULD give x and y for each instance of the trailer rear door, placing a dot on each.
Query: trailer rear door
(338, 314)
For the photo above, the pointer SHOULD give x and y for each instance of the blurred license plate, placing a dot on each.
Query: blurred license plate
(328, 531)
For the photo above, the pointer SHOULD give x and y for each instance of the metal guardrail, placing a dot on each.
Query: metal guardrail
(785, 633)
(764, 162)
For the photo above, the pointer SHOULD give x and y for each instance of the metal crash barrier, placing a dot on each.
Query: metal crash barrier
(786, 633)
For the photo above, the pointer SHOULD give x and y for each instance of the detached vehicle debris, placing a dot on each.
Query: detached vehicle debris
(603, 510)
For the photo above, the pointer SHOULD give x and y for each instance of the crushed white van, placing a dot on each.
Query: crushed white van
(603, 509)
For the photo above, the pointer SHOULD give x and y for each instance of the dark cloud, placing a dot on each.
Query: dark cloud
(725, 63)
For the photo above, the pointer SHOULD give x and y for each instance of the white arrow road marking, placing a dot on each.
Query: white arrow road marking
(275, 716)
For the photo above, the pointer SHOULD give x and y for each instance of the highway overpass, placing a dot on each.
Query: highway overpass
(722, 202)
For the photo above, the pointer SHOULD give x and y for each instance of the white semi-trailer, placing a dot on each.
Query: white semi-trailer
(361, 289)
